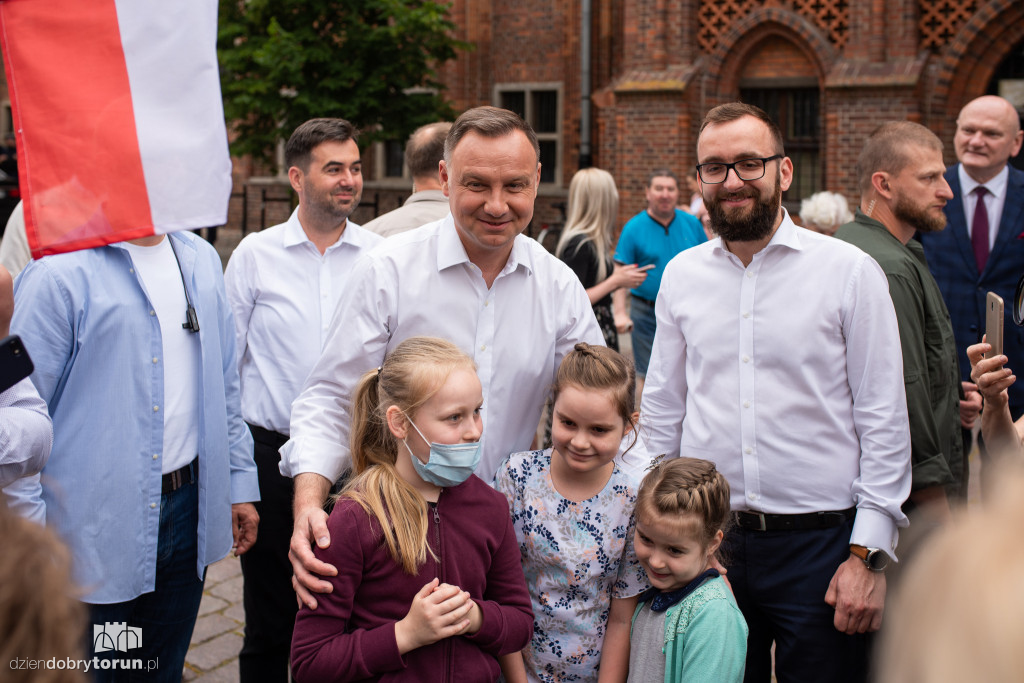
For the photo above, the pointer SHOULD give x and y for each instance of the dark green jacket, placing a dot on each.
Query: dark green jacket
(930, 369)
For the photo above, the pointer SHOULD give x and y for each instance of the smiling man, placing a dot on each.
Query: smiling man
(650, 239)
(904, 192)
(470, 277)
(777, 357)
(283, 284)
(982, 250)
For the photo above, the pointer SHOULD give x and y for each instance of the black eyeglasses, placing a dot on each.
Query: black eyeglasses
(715, 172)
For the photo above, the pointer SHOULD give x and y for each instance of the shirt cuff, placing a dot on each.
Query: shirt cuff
(875, 529)
(310, 454)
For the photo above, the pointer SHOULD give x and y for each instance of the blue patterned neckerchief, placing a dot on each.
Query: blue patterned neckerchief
(662, 601)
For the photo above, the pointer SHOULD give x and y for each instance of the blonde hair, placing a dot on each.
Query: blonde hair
(601, 368)
(413, 372)
(957, 614)
(685, 489)
(593, 207)
(41, 616)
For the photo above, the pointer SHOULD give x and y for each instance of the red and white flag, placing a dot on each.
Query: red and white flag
(118, 118)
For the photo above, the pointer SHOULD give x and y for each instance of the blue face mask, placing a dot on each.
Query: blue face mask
(449, 464)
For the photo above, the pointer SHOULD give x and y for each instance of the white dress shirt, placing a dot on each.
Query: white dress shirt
(995, 200)
(422, 283)
(283, 293)
(788, 375)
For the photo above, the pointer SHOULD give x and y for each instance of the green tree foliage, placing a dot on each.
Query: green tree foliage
(373, 62)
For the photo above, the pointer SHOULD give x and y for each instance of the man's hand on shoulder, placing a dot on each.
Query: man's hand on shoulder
(858, 596)
(310, 527)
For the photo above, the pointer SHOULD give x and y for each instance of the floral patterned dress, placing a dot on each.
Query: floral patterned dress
(576, 557)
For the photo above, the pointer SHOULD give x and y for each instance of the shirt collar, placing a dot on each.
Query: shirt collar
(451, 252)
(788, 234)
(295, 235)
(997, 185)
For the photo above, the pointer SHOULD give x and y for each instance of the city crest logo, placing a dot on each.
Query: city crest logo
(115, 636)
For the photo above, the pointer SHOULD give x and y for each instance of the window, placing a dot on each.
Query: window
(796, 111)
(394, 158)
(540, 105)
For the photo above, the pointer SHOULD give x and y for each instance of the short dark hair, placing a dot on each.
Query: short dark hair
(726, 113)
(661, 173)
(887, 148)
(426, 148)
(311, 134)
(489, 122)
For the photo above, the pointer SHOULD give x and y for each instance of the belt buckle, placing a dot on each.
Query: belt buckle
(760, 518)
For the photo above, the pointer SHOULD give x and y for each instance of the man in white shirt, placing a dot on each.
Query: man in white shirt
(283, 285)
(470, 277)
(427, 203)
(777, 357)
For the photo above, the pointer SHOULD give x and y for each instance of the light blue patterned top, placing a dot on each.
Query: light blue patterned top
(576, 557)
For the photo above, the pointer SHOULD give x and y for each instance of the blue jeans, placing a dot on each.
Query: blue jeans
(166, 616)
(779, 579)
(641, 312)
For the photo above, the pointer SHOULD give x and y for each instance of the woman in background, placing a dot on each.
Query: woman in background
(586, 247)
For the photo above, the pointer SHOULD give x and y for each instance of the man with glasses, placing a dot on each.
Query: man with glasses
(780, 350)
(650, 239)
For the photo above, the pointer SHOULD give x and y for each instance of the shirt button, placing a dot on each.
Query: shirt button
(152, 312)
(746, 314)
(752, 496)
(750, 273)
(156, 408)
(155, 359)
(746, 404)
(156, 455)
(486, 304)
(131, 270)
(152, 506)
(746, 359)
(748, 450)
(483, 347)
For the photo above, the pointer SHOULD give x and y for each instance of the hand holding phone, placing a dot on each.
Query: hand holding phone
(994, 324)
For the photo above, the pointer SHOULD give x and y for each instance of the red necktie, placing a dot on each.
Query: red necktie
(979, 229)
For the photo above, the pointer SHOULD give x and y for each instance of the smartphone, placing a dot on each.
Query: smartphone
(994, 324)
(15, 364)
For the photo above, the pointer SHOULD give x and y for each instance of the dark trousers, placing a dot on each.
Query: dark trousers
(267, 593)
(780, 579)
(165, 618)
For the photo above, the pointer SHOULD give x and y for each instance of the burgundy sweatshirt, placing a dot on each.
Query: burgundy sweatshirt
(351, 634)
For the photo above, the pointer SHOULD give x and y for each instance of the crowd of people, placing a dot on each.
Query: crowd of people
(354, 411)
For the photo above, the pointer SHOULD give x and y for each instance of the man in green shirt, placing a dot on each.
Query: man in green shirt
(903, 191)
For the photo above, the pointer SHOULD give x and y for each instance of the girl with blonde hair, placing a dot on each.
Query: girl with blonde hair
(429, 584)
(586, 247)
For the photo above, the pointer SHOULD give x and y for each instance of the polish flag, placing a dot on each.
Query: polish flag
(118, 118)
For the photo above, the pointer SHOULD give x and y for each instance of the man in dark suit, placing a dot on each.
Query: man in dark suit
(982, 249)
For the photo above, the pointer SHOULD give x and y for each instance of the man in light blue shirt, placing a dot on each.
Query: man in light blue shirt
(151, 476)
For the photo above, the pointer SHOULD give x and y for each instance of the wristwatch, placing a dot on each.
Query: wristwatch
(874, 559)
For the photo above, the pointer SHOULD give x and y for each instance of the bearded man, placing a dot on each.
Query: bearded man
(903, 192)
(283, 284)
(779, 349)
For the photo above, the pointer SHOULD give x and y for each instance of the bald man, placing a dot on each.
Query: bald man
(982, 249)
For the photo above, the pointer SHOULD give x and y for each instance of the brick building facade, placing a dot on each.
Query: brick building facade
(830, 70)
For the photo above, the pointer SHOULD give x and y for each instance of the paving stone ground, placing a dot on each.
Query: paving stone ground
(217, 638)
